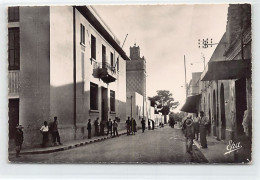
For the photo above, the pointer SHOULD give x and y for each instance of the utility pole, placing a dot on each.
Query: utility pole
(185, 76)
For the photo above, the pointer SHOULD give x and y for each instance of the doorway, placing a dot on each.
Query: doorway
(241, 104)
(222, 111)
(209, 125)
(13, 116)
(215, 115)
(104, 99)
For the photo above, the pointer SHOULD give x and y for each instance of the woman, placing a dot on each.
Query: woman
(44, 130)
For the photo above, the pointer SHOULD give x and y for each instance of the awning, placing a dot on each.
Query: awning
(224, 70)
(191, 104)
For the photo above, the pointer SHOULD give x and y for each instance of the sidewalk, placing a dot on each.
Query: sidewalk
(215, 151)
(67, 145)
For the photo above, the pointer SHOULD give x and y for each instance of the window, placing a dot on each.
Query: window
(93, 96)
(112, 101)
(13, 14)
(117, 65)
(111, 59)
(82, 34)
(93, 47)
(13, 49)
(103, 53)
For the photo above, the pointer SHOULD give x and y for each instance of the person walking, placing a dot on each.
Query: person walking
(55, 132)
(196, 126)
(128, 126)
(189, 133)
(143, 124)
(96, 124)
(115, 125)
(45, 132)
(18, 139)
(89, 128)
(102, 128)
(134, 126)
(109, 129)
(203, 121)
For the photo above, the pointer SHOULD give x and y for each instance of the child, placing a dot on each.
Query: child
(44, 130)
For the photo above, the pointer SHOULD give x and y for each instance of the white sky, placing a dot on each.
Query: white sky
(165, 33)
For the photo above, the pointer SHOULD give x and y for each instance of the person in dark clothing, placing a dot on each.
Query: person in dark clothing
(149, 124)
(115, 125)
(128, 126)
(152, 125)
(189, 133)
(143, 124)
(55, 132)
(109, 127)
(102, 128)
(45, 132)
(89, 128)
(96, 123)
(18, 139)
(134, 130)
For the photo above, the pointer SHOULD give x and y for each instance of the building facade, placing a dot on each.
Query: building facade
(64, 62)
(226, 84)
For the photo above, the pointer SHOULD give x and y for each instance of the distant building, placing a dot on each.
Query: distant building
(136, 85)
(64, 62)
(136, 72)
(193, 87)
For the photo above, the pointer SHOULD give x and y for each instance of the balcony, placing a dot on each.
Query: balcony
(13, 84)
(104, 71)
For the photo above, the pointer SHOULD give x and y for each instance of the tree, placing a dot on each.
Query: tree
(164, 102)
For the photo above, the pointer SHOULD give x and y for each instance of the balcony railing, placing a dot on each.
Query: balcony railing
(104, 71)
(13, 83)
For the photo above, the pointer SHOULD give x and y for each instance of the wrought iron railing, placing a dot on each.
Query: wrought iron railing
(13, 82)
(104, 65)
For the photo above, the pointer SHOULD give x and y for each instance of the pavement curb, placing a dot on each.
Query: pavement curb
(67, 147)
(199, 148)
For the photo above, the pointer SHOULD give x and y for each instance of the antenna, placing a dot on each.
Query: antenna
(122, 48)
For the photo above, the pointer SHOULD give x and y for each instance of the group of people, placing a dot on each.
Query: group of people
(53, 129)
(131, 126)
(100, 127)
(195, 129)
(45, 130)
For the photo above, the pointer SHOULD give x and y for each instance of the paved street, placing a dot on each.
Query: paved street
(165, 145)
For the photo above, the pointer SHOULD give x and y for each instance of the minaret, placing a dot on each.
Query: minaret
(136, 72)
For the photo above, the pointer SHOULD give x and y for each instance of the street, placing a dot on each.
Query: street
(165, 145)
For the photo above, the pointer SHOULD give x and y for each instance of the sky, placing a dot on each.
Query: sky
(165, 33)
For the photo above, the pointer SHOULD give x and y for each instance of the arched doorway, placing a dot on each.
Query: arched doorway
(209, 126)
(222, 111)
(214, 111)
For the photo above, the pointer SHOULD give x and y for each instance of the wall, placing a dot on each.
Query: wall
(137, 107)
(34, 71)
(61, 69)
(136, 78)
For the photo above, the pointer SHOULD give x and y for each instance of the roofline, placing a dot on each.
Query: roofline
(84, 10)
